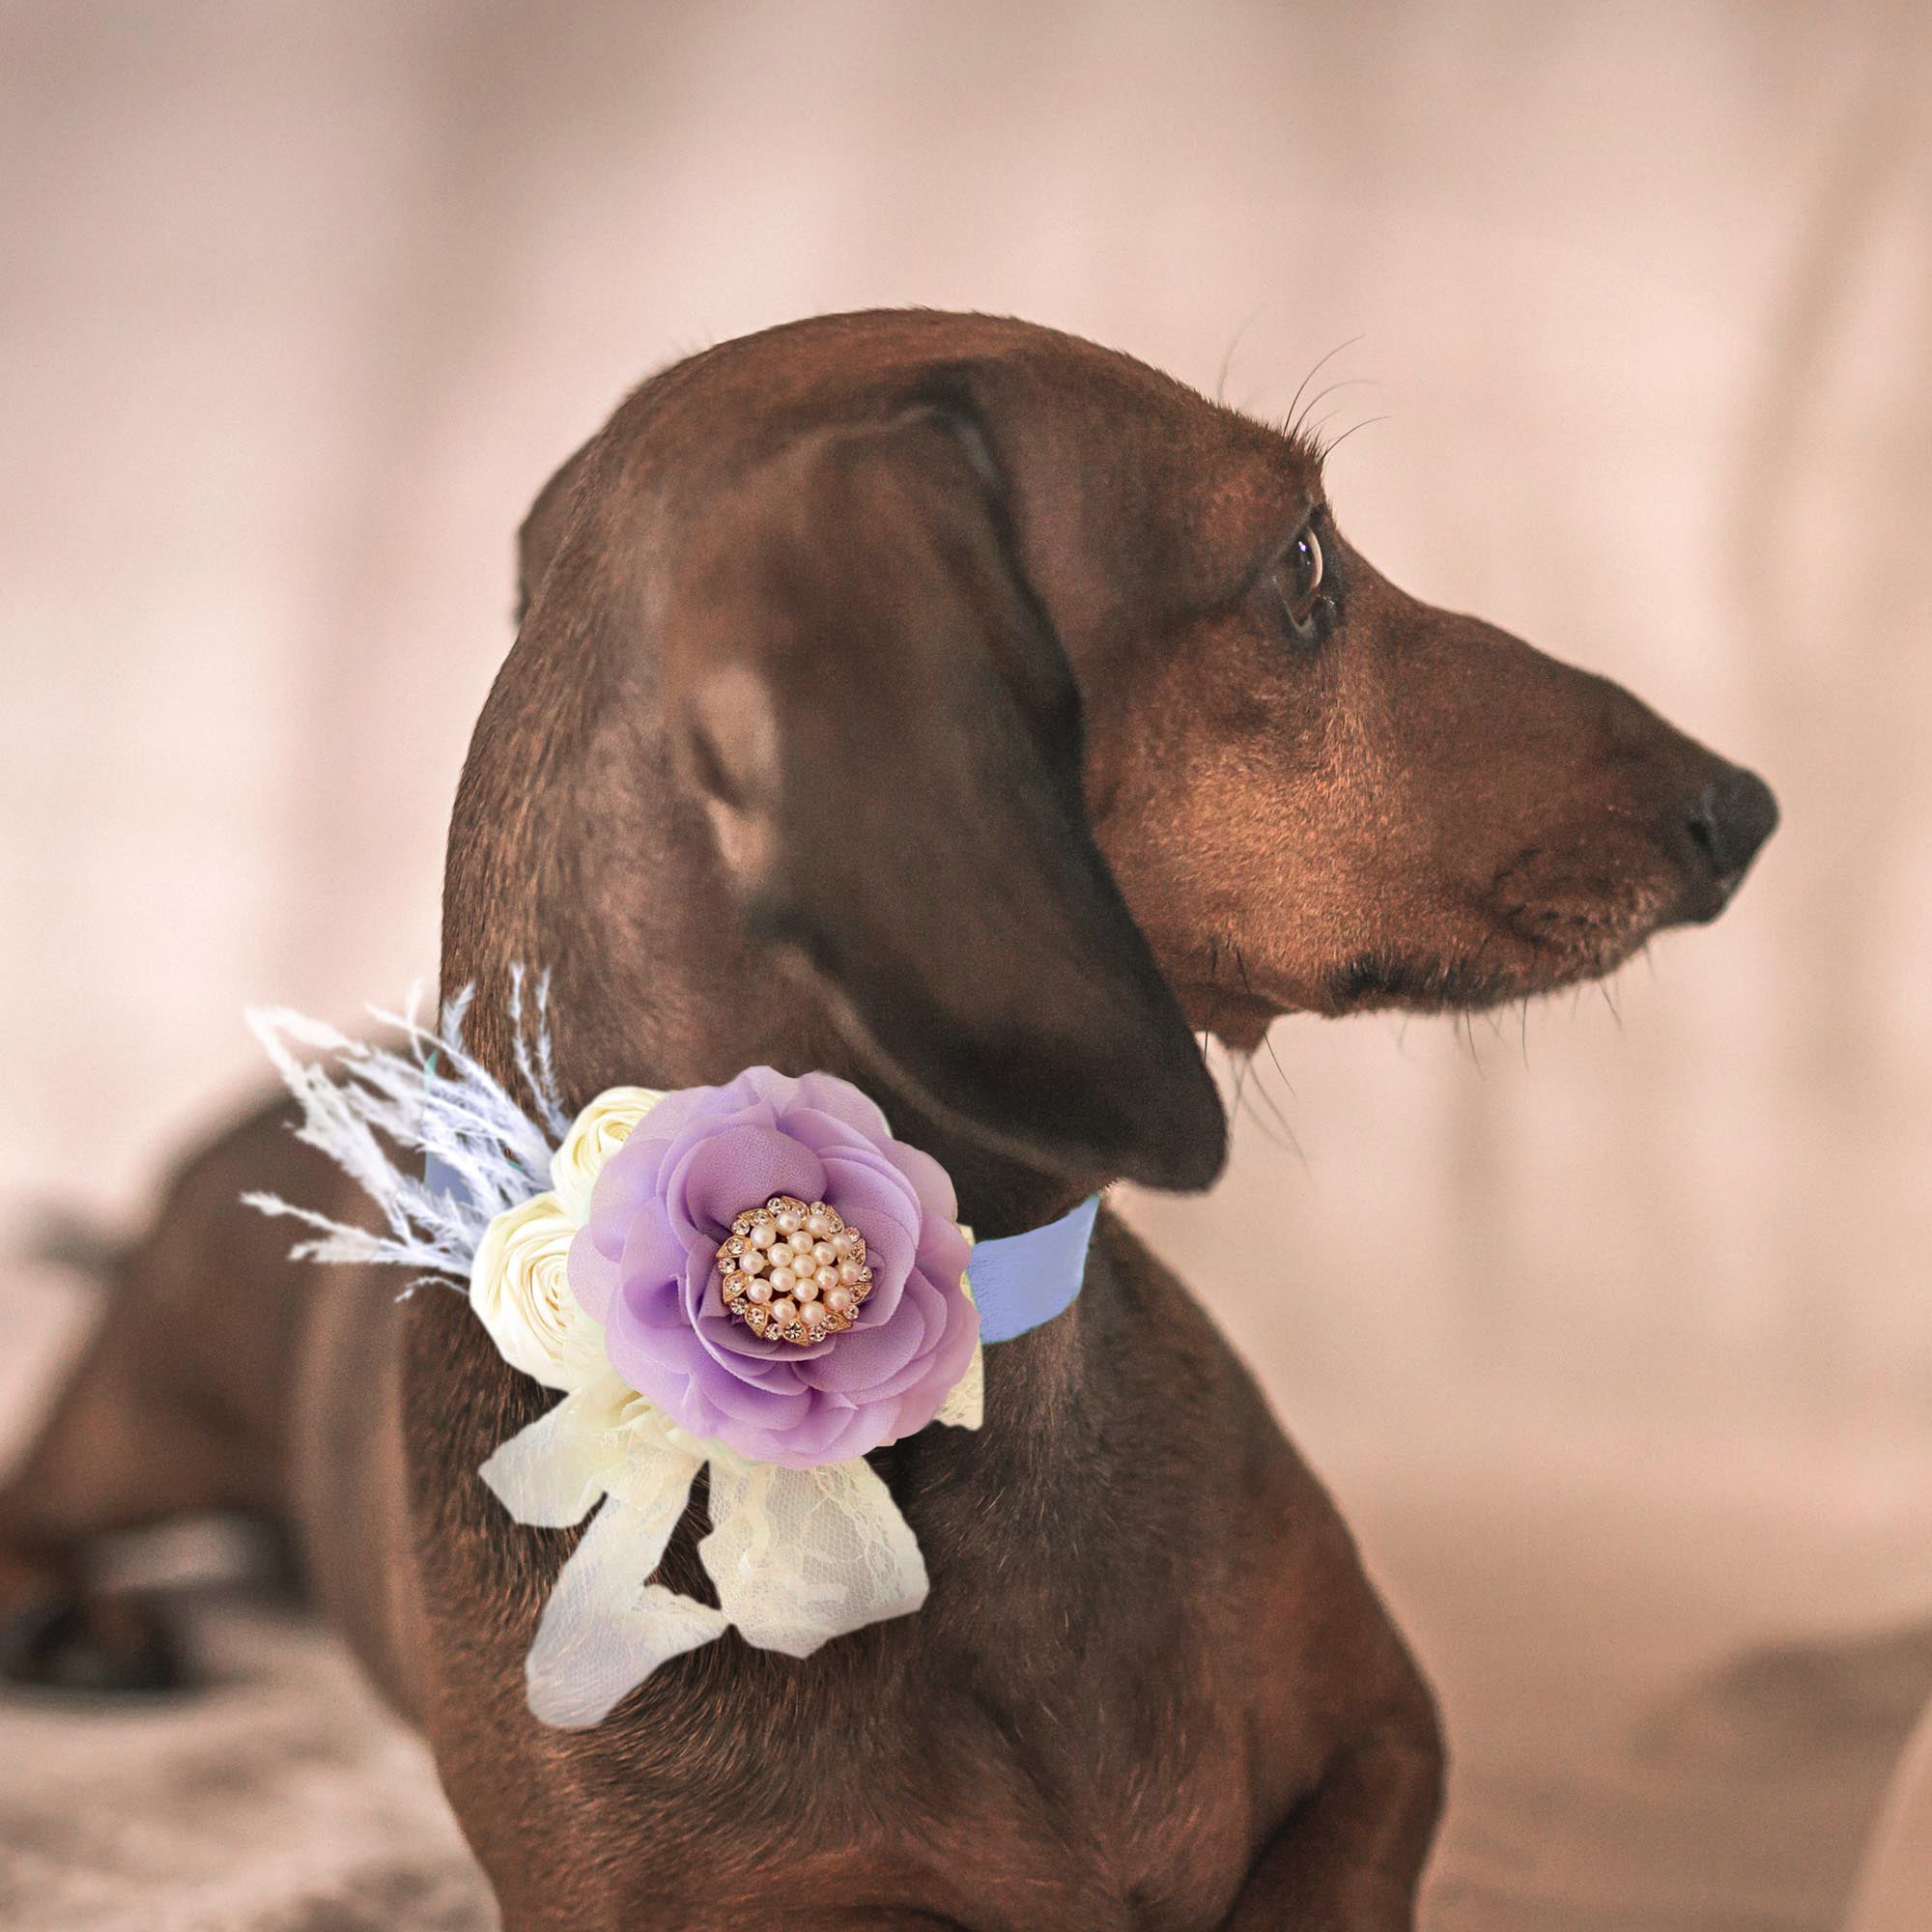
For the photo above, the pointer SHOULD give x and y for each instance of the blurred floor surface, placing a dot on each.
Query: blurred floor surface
(1636, 1753)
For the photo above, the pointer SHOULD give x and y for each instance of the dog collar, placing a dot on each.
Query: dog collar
(1020, 1282)
(756, 1279)
(1023, 1281)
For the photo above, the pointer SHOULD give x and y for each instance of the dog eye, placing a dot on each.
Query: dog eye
(1297, 581)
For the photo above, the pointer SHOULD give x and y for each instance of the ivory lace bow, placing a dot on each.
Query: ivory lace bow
(798, 1556)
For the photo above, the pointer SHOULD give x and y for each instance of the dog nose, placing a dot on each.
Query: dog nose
(1733, 816)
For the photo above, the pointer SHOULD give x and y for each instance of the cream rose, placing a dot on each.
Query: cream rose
(520, 1290)
(519, 1284)
(594, 1136)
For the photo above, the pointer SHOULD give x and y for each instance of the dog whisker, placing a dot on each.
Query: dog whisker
(1292, 1141)
(1301, 388)
(1328, 449)
(1214, 987)
(1315, 428)
(1243, 1103)
(1227, 360)
(1328, 389)
(1603, 986)
(1241, 967)
(1267, 1038)
(1467, 1016)
(1267, 1041)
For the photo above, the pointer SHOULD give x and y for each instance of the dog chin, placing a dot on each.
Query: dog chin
(1497, 976)
(1236, 1016)
(1523, 957)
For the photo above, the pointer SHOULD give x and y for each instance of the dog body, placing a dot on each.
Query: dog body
(973, 713)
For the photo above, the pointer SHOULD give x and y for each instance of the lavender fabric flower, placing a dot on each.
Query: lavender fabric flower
(645, 1266)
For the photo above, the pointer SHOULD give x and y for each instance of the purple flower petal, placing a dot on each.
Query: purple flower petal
(716, 1180)
(870, 1193)
(594, 1276)
(827, 1094)
(930, 1182)
(645, 1265)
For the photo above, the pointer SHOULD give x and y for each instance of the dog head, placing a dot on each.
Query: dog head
(1033, 710)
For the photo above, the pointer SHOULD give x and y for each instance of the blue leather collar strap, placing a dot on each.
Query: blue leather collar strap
(1027, 1279)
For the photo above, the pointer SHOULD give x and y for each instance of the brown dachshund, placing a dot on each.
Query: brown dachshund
(977, 714)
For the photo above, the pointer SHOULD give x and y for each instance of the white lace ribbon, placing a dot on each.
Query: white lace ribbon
(798, 1556)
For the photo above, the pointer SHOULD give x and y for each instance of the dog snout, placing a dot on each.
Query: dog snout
(1728, 822)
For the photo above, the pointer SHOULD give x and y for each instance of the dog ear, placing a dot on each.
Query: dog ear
(887, 734)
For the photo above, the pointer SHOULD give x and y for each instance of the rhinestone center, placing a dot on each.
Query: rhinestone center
(793, 1271)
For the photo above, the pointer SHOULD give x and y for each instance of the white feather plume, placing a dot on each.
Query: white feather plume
(387, 1115)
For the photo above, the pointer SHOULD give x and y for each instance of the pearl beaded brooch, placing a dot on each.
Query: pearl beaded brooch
(793, 1270)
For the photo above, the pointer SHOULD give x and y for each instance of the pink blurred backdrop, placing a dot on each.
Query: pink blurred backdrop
(1613, 1329)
